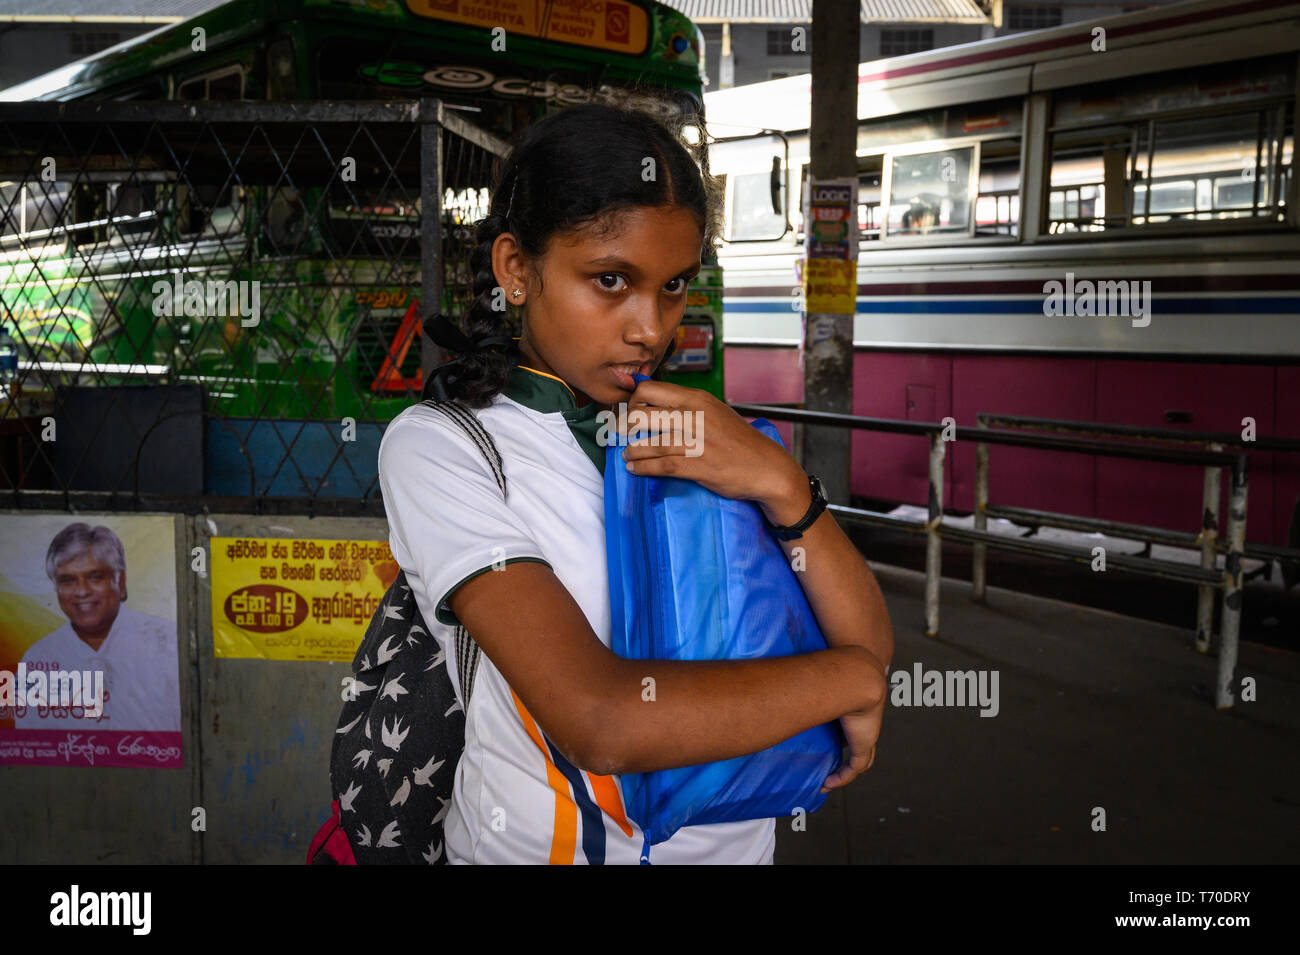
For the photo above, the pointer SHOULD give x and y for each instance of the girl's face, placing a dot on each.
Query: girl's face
(606, 305)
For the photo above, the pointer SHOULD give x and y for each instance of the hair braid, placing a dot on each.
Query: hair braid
(485, 371)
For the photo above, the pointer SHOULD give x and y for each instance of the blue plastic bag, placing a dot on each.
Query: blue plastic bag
(696, 576)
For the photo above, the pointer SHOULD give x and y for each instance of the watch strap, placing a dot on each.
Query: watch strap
(815, 508)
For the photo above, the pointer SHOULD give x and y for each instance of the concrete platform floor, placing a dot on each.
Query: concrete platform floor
(1095, 710)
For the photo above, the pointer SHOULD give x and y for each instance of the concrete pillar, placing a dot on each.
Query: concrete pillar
(828, 369)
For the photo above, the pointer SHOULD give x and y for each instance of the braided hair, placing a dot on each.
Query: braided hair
(570, 170)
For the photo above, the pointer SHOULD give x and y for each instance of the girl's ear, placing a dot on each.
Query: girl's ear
(508, 265)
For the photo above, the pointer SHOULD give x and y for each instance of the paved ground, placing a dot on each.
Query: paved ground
(1096, 709)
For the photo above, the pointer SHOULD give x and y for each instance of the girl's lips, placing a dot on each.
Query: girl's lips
(623, 374)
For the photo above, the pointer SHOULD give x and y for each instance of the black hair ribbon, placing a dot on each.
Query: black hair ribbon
(440, 330)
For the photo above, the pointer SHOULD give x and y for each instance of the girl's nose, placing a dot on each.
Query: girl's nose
(647, 328)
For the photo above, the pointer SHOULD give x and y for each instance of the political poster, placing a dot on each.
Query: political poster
(89, 658)
(294, 599)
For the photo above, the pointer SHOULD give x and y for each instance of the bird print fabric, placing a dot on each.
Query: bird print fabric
(401, 732)
(399, 738)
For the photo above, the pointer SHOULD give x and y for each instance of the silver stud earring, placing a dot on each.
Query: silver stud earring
(517, 293)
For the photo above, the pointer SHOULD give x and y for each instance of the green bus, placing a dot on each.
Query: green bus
(337, 334)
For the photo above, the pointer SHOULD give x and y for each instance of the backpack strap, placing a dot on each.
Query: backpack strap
(467, 651)
(469, 423)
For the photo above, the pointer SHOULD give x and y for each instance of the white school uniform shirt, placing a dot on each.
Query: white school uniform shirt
(139, 662)
(516, 799)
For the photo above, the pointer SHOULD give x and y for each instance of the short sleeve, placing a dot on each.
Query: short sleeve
(447, 517)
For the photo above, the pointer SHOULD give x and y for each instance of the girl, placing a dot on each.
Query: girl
(595, 231)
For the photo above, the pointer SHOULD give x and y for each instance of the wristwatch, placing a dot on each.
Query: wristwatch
(815, 509)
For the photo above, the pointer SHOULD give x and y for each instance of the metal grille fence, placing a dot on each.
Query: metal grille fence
(217, 306)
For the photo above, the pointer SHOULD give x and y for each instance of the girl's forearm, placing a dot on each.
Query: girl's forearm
(837, 581)
(666, 714)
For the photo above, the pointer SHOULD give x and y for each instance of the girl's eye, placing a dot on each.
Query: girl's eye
(679, 283)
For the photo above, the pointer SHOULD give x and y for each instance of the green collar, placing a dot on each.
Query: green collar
(545, 393)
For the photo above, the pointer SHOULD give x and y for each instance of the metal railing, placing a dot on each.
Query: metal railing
(1207, 541)
(1228, 580)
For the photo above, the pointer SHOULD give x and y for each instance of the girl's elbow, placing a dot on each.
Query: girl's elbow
(601, 762)
(608, 747)
(585, 749)
(599, 756)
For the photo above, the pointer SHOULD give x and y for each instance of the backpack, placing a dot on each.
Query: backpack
(401, 732)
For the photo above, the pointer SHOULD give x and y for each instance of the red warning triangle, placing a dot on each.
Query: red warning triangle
(390, 373)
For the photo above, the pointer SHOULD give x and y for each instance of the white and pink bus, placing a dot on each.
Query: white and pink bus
(1096, 222)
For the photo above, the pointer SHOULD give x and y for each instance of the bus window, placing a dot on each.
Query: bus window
(287, 223)
(226, 83)
(1216, 167)
(1146, 166)
(32, 214)
(42, 211)
(930, 193)
(997, 204)
(1204, 168)
(869, 221)
(1089, 179)
(89, 212)
(281, 83)
(871, 172)
(133, 208)
(209, 209)
(751, 214)
(11, 208)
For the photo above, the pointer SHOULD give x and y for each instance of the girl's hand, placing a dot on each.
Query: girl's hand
(688, 433)
(861, 731)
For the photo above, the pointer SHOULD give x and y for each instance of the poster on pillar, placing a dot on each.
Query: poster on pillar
(282, 598)
(829, 270)
(89, 659)
(827, 336)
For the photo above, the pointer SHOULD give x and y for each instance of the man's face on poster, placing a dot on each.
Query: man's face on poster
(89, 591)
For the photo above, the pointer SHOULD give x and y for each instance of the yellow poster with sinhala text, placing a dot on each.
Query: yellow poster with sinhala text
(280, 598)
(830, 285)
